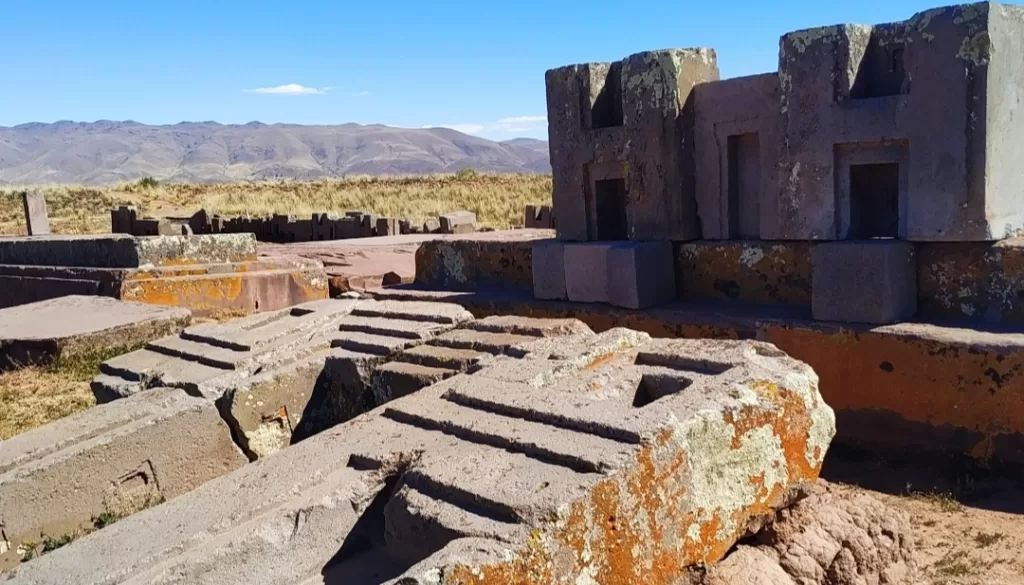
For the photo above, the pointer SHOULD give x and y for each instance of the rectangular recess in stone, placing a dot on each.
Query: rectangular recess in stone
(744, 167)
(681, 362)
(606, 105)
(874, 200)
(881, 71)
(653, 387)
(610, 206)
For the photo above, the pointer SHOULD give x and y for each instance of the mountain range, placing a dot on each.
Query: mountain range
(106, 152)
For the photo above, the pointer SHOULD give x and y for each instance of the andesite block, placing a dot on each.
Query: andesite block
(549, 270)
(869, 281)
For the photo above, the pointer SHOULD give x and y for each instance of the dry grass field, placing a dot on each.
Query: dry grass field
(497, 199)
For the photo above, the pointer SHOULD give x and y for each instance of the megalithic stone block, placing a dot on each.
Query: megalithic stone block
(641, 274)
(864, 281)
(586, 271)
(548, 264)
(576, 462)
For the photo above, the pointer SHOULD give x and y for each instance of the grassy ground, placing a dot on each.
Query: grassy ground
(497, 199)
(31, 397)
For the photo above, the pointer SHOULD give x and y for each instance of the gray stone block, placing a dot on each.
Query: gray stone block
(36, 220)
(458, 222)
(43, 332)
(640, 274)
(586, 271)
(112, 459)
(864, 281)
(549, 270)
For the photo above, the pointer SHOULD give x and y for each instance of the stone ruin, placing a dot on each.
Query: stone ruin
(868, 139)
(405, 440)
(361, 441)
(286, 228)
(205, 273)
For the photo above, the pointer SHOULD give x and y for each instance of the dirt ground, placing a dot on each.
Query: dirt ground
(968, 524)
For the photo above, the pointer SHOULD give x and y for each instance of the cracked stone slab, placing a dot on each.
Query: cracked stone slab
(111, 459)
(570, 479)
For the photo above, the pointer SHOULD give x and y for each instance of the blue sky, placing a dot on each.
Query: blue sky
(475, 66)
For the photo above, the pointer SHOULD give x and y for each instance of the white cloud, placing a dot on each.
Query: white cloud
(289, 89)
(361, 94)
(509, 125)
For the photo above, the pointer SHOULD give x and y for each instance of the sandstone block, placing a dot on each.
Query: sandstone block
(864, 281)
(586, 271)
(458, 222)
(641, 274)
(43, 332)
(110, 460)
(549, 270)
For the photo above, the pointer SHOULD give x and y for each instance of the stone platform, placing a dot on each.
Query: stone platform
(67, 327)
(207, 273)
(568, 461)
(367, 263)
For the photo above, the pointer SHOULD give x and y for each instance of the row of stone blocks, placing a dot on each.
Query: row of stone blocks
(872, 281)
(286, 228)
(507, 468)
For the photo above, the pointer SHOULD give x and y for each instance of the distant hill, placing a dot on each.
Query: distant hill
(105, 152)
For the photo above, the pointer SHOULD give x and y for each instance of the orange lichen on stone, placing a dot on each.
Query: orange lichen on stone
(642, 527)
(965, 385)
(761, 272)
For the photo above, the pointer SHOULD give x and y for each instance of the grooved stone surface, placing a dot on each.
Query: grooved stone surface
(565, 465)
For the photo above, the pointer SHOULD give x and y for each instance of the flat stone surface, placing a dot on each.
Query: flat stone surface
(71, 316)
(40, 333)
(467, 492)
(549, 269)
(586, 271)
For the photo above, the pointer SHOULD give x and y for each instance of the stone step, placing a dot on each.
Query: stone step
(493, 343)
(441, 313)
(529, 326)
(580, 452)
(438, 356)
(396, 379)
(358, 341)
(193, 351)
(417, 330)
